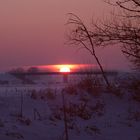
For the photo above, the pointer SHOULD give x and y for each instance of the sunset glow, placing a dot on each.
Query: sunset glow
(65, 69)
(38, 38)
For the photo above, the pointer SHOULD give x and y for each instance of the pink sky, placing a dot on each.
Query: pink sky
(32, 32)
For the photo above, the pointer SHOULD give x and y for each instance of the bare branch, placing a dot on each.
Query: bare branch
(81, 35)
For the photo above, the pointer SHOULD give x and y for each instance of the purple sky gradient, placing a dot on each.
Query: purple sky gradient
(32, 32)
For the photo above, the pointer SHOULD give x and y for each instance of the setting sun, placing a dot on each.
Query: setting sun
(65, 69)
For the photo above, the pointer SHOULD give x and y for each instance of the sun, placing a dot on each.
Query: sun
(65, 69)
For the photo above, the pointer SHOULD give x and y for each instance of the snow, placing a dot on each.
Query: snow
(35, 111)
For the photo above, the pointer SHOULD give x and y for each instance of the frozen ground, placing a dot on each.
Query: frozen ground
(35, 112)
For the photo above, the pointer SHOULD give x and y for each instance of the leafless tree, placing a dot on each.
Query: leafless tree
(122, 29)
(79, 35)
(17, 72)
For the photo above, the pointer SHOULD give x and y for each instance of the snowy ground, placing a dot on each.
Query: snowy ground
(35, 112)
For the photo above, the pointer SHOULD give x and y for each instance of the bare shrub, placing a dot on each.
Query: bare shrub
(84, 110)
(43, 94)
(34, 94)
(78, 110)
(16, 135)
(92, 129)
(24, 121)
(71, 89)
(91, 84)
(36, 114)
(117, 91)
(56, 115)
(98, 108)
(135, 88)
(132, 84)
(50, 94)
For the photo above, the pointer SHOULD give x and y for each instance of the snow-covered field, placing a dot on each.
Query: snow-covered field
(36, 111)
